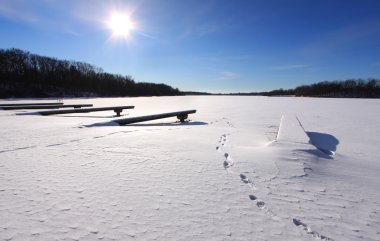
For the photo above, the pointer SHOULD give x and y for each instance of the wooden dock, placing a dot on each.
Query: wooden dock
(117, 109)
(31, 103)
(181, 115)
(55, 106)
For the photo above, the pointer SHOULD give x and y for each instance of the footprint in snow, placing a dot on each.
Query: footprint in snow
(252, 197)
(228, 162)
(308, 230)
(260, 204)
(307, 169)
(245, 179)
(222, 142)
(298, 222)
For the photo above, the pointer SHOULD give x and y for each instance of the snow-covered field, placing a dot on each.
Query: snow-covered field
(244, 168)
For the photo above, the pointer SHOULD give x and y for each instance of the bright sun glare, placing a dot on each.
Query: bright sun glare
(121, 25)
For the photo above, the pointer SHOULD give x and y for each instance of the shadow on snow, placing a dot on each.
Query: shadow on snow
(195, 123)
(324, 142)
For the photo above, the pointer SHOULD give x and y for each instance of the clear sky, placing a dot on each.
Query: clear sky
(204, 45)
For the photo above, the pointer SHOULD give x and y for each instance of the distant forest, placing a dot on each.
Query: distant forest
(352, 88)
(23, 74)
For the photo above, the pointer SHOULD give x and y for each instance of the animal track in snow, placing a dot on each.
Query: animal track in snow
(228, 162)
(252, 197)
(245, 179)
(308, 230)
(223, 120)
(218, 120)
(222, 142)
(230, 124)
(260, 204)
(223, 139)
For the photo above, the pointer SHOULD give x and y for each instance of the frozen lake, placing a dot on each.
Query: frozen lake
(244, 168)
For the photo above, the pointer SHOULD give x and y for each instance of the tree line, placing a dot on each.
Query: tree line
(23, 74)
(352, 88)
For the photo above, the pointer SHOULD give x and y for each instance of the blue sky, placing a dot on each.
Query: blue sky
(206, 45)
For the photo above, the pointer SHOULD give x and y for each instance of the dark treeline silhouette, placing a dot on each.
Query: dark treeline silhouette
(196, 93)
(23, 74)
(352, 88)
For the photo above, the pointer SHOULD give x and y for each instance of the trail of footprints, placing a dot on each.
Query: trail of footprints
(222, 142)
(308, 230)
(224, 119)
(228, 163)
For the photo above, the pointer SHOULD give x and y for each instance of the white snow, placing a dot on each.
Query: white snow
(244, 168)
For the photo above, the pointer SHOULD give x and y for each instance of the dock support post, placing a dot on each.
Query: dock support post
(118, 111)
(182, 118)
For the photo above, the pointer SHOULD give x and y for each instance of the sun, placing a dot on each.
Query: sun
(121, 25)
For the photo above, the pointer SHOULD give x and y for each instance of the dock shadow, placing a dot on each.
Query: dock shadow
(174, 124)
(193, 123)
(325, 143)
(88, 116)
(317, 152)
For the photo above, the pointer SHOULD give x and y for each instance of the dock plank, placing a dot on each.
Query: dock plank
(57, 106)
(181, 115)
(31, 103)
(117, 109)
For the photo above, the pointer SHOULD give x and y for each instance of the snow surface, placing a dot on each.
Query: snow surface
(244, 168)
